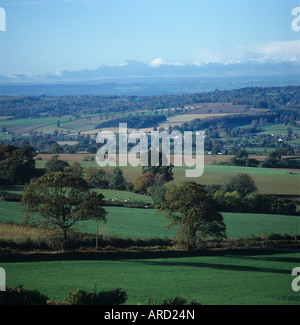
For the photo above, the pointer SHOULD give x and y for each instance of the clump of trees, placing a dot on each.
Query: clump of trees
(95, 177)
(241, 158)
(275, 160)
(239, 194)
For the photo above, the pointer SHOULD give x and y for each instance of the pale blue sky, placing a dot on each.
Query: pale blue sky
(50, 36)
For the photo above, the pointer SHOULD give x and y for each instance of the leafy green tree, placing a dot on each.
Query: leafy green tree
(158, 192)
(189, 207)
(56, 165)
(117, 180)
(242, 183)
(17, 165)
(96, 177)
(233, 200)
(241, 154)
(56, 148)
(62, 200)
(76, 169)
(269, 162)
(144, 182)
(164, 173)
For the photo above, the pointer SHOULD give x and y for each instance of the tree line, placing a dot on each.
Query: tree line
(46, 106)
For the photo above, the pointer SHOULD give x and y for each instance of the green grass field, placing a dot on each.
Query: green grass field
(268, 180)
(211, 280)
(279, 129)
(30, 122)
(145, 223)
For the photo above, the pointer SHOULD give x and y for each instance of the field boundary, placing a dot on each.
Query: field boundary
(140, 254)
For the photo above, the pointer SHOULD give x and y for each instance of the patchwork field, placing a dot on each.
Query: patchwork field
(87, 124)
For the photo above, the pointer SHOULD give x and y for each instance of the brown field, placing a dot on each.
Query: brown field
(26, 130)
(208, 159)
(180, 119)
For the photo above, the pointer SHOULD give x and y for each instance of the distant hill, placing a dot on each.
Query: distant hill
(137, 78)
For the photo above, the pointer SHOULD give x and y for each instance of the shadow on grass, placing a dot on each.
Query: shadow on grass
(228, 267)
(294, 260)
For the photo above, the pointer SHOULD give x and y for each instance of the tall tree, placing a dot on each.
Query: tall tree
(190, 208)
(117, 180)
(164, 173)
(62, 200)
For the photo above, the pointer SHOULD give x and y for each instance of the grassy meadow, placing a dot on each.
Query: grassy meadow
(263, 279)
(146, 223)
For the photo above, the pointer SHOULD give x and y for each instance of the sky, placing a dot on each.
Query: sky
(49, 36)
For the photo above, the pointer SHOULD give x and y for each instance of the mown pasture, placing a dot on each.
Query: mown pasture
(146, 223)
(263, 279)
